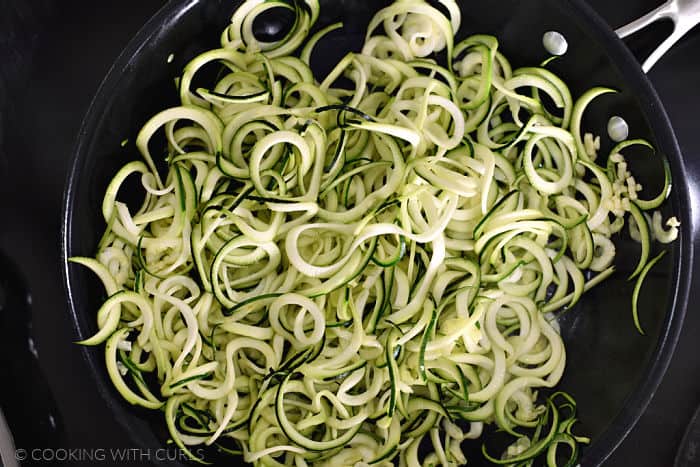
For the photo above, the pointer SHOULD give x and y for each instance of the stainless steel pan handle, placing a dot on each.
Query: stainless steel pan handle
(685, 15)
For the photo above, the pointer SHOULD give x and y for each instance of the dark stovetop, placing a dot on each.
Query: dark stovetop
(53, 60)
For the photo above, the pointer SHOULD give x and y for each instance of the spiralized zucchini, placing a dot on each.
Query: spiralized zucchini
(329, 275)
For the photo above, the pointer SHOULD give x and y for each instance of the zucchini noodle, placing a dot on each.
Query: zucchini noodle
(327, 275)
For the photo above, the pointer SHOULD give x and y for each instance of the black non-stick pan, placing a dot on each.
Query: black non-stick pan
(612, 370)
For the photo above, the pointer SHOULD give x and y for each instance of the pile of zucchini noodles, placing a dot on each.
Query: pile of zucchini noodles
(362, 271)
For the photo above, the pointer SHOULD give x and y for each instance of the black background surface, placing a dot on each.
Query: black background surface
(54, 55)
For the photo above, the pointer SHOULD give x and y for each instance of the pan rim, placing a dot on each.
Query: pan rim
(167, 14)
(651, 106)
(662, 129)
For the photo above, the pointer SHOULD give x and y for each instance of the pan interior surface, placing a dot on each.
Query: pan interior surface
(612, 370)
